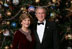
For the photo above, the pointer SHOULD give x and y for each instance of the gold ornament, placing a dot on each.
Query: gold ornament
(6, 47)
(37, 1)
(54, 1)
(68, 36)
(71, 1)
(23, 8)
(8, 0)
(8, 23)
(8, 13)
(1, 2)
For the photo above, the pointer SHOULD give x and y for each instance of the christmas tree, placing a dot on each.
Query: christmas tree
(10, 10)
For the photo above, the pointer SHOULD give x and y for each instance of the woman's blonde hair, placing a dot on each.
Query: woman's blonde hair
(24, 16)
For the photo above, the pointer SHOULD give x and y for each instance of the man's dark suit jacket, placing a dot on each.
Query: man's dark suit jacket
(50, 39)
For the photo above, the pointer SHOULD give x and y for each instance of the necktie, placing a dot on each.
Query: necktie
(40, 23)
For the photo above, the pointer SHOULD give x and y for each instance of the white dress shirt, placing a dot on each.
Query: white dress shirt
(40, 30)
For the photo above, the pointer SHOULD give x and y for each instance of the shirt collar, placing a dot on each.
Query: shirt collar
(43, 21)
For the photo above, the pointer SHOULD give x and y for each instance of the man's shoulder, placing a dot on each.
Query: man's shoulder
(50, 22)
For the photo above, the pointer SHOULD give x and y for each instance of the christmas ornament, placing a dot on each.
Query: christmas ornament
(31, 8)
(23, 9)
(71, 1)
(15, 2)
(8, 13)
(13, 24)
(8, 0)
(37, 1)
(68, 36)
(5, 4)
(53, 15)
(8, 23)
(6, 47)
(1, 2)
(6, 32)
(54, 1)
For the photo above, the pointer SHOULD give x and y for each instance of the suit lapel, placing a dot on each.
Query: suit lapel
(45, 31)
(36, 35)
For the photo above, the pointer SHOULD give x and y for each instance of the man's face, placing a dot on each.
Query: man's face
(40, 14)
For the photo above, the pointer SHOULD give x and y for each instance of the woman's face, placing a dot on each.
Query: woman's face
(26, 22)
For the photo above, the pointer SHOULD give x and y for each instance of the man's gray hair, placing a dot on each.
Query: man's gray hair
(40, 7)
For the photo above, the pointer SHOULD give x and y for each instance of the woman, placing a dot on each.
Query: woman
(24, 38)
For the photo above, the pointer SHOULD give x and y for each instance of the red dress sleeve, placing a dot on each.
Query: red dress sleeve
(16, 40)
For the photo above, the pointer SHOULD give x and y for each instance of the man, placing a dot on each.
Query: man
(45, 31)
